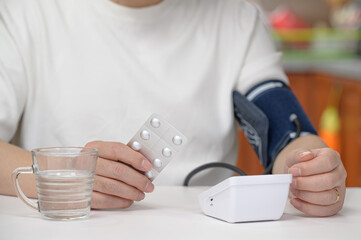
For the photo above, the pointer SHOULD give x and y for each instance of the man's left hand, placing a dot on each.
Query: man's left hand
(318, 185)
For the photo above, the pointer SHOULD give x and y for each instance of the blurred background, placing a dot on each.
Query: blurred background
(321, 44)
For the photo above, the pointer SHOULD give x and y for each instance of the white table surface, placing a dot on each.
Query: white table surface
(174, 213)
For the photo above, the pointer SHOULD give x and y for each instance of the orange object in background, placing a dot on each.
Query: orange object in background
(330, 128)
(330, 121)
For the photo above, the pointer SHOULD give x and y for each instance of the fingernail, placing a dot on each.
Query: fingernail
(294, 183)
(304, 153)
(141, 196)
(295, 171)
(296, 203)
(146, 165)
(149, 187)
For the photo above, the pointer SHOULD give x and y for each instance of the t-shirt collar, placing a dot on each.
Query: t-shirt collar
(143, 14)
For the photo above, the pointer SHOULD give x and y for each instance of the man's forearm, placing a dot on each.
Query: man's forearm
(12, 157)
(305, 142)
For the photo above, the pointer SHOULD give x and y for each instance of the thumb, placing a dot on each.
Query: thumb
(297, 156)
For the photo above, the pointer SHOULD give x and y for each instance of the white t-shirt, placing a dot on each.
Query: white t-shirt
(84, 70)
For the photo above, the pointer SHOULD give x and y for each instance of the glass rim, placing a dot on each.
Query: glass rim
(56, 151)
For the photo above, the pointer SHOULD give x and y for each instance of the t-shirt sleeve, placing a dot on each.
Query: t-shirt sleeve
(262, 62)
(13, 87)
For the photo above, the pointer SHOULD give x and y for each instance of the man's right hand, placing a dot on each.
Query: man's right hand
(118, 181)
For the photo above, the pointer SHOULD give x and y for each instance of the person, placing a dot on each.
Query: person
(90, 72)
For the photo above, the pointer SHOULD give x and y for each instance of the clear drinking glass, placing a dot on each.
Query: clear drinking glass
(64, 179)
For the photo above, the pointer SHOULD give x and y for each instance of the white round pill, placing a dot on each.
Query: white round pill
(177, 140)
(149, 174)
(136, 145)
(158, 163)
(155, 122)
(167, 152)
(145, 134)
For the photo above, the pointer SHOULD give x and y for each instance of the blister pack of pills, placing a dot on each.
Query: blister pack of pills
(158, 141)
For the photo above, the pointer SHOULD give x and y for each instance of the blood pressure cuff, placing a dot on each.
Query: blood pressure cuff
(271, 117)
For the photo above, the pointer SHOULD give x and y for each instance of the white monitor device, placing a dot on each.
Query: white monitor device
(247, 198)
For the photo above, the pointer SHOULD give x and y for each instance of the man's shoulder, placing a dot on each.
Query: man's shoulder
(24, 7)
(18, 5)
(30, 13)
(225, 3)
(17, 9)
(242, 8)
(241, 13)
